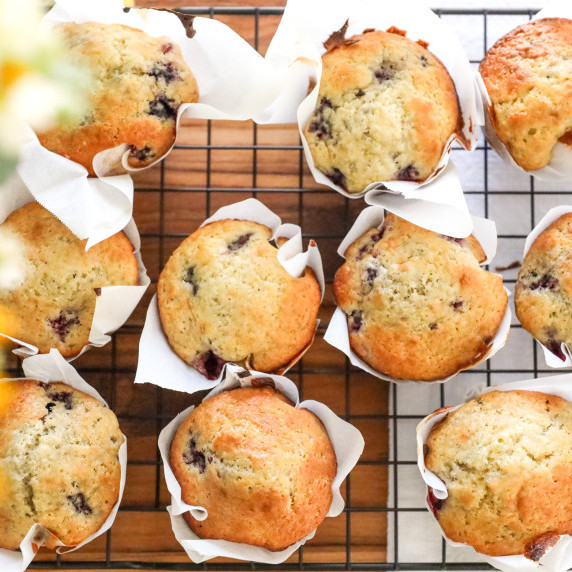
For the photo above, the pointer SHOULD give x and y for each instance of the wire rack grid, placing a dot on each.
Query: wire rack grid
(385, 525)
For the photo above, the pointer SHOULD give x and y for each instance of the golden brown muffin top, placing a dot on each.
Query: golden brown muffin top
(55, 303)
(59, 462)
(224, 297)
(543, 293)
(527, 75)
(386, 109)
(418, 304)
(505, 460)
(262, 468)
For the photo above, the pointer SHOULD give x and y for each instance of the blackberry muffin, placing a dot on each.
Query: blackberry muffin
(418, 304)
(527, 76)
(224, 297)
(138, 83)
(55, 303)
(59, 463)
(543, 293)
(262, 468)
(386, 109)
(505, 460)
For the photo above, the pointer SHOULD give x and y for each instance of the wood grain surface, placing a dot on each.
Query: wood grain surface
(170, 202)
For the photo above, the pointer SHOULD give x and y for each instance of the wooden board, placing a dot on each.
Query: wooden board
(142, 530)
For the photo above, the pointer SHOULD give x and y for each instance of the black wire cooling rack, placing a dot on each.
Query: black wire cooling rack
(218, 163)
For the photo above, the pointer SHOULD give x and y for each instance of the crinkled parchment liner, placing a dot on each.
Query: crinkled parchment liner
(234, 82)
(556, 559)
(298, 44)
(337, 332)
(560, 166)
(160, 365)
(348, 445)
(551, 216)
(115, 304)
(46, 368)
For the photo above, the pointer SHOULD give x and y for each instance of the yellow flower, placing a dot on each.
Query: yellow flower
(10, 73)
(38, 86)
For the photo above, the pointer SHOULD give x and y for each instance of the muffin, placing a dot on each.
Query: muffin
(224, 297)
(138, 83)
(527, 76)
(505, 459)
(418, 304)
(261, 468)
(55, 303)
(543, 293)
(386, 109)
(59, 463)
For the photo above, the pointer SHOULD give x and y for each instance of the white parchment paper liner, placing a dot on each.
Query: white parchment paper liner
(47, 368)
(348, 445)
(337, 333)
(159, 364)
(560, 166)
(234, 83)
(115, 304)
(556, 559)
(298, 41)
(551, 216)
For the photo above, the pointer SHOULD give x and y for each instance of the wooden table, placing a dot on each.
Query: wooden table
(219, 165)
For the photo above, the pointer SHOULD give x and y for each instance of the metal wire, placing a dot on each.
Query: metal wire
(159, 237)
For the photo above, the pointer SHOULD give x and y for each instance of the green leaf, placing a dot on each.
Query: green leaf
(7, 166)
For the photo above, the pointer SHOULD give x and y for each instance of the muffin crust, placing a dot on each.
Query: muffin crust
(386, 108)
(224, 297)
(543, 293)
(58, 463)
(527, 75)
(55, 303)
(262, 468)
(138, 83)
(504, 458)
(418, 304)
